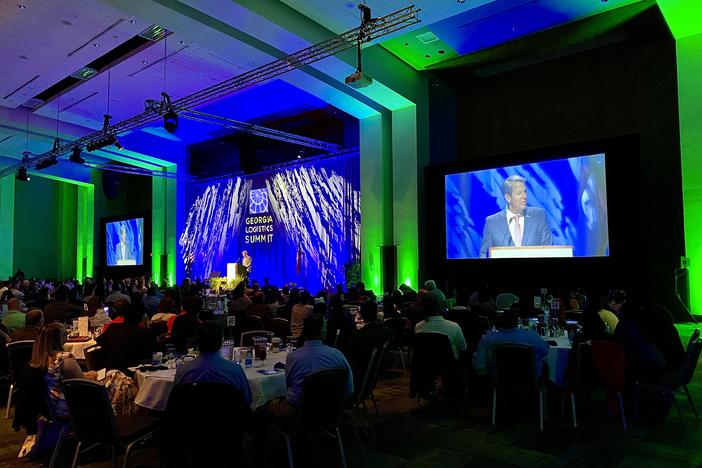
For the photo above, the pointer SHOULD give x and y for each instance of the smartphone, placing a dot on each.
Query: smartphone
(85, 306)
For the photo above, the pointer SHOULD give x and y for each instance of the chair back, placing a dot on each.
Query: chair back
(398, 326)
(248, 336)
(432, 356)
(322, 399)
(361, 391)
(379, 363)
(19, 353)
(204, 422)
(95, 358)
(692, 355)
(505, 300)
(484, 323)
(514, 368)
(609, 362)
(92, 416)
(280, 327)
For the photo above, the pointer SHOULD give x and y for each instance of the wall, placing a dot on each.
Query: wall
(624, 88)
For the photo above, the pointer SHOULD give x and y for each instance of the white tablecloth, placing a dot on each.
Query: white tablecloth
(78, 348)
(557, 360)
(154, 387)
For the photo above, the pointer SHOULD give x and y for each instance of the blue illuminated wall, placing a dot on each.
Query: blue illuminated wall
(300, 224)
(572, 191)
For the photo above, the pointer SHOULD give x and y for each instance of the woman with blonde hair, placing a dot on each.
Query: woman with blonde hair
(48, 354)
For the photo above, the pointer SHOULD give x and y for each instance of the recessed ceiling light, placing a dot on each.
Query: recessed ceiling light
(441, 52)
(427, 56)
(144, 62)
(132, 21)
(21, 7)
(96, 44)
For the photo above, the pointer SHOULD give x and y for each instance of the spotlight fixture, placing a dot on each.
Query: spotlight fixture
(170, 121)
(118, 145)
(22, 174)
(366, 15)
(76, 157)
(107, 140)
(53, 160)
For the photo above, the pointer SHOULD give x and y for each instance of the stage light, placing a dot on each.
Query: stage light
(46, 163)
(76, 157)
(170, 121)
(118, 145)
(365, 13)
(106, 140)
(22, 174)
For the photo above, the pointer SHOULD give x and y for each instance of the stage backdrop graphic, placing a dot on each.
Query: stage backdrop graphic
(572, 191)
(300, 224)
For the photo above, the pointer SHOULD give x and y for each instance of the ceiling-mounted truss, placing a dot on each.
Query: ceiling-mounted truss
(368, 31)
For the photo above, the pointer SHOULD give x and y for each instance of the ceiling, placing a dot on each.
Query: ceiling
(42, 43)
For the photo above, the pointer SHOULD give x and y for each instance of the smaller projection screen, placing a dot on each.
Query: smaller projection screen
(124, 242)
(554, 208)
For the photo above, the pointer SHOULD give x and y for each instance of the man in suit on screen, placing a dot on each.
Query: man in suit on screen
(517, 225)
(124, 252)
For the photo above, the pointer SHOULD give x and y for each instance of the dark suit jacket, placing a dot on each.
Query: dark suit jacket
(496, 232)
(184, 327)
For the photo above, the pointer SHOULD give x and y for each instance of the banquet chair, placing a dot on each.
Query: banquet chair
(94, 422)
(318, 413)
(358, 410)
(248, 336)
(398, 326)
(609, 362)
(95, 358)
(203, 425)
(514, 372)
(675, 382)
(432, 357)
(19, 354)
(280, 327)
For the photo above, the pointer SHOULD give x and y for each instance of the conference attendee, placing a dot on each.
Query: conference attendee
(97, 316)
(299, 313)
(409, 295)
(209, 366)
(517, 225)
(151, 301)
(361, 342)
(240, 300)
(271, 292)
(436, 293)
(364, 294)
(482, 302)
(483, 359)
(185, 325)
(435, 323)
(127, 344)
(450, 289)
(259, 308)
(61, 310)
(314, 356)
(116, 294)
(657, 325)
(14, 319)
(33, 321)
(120, 308)
(645, 361)
(124, 251)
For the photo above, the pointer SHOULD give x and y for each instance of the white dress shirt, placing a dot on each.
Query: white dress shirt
(511, 224)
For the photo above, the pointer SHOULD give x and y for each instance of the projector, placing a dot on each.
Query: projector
(358, 80)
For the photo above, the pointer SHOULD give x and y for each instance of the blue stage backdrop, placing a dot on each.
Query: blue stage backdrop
(572, 191)
(124, 242)
(300, 224)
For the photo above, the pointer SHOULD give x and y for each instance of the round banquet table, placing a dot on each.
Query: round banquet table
(154, 387)
(557, 360)
(78, 348)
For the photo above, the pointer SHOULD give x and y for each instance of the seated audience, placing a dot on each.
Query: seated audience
(34, 320)
(209, 366)
(645, 361)
(240, 301)
(259, 308)
(119, 309)
(312, 357)
(152, 301)
(657, 326)
(509, 334)
(97, 317)
(450, 292)
(185, 325)
(435, 293)
(61, 310)
(116, 294)
(435, 323)
(14, 319)
(127, 344)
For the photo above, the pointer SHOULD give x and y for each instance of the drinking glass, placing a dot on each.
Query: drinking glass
(260, 348)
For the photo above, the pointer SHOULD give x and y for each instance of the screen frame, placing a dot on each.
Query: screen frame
(622, 161)
(123, 271)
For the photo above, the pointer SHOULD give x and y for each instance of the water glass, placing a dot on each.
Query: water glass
(156, 358)
(275, 345)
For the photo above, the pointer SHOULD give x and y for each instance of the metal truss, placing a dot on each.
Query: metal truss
(368, 31)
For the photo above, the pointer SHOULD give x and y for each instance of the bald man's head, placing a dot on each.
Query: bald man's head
(34, 318)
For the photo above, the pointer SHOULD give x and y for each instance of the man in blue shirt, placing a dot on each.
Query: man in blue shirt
(312, 357)
(509, 334)
(209, 366)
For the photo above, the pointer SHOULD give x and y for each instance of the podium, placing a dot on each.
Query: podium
(234, 270)
(536, 251)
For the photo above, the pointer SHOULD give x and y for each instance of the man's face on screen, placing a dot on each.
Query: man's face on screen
(123, 235)
(516, 202)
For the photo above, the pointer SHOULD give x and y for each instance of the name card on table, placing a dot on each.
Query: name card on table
(83, 326)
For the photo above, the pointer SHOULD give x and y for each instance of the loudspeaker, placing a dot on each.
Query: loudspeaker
(164, 268)
(388, 254)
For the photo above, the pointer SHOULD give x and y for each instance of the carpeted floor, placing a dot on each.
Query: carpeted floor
(450, 434)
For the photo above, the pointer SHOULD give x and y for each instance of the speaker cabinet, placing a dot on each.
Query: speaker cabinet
(388, 254)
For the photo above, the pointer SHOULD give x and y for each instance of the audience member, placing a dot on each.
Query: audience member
(209, 366)
(509, 334)
(185, 325)
(259, 308)
(127, 344)
(299, 313)
(34, 320)
(361, 343)
(116, 294)
(657, 326)
(151, 301)
(312, 357)
(435, 323)
(97, 316)
(61, 310)
(435, 293)
(645, 361)
(14, 319)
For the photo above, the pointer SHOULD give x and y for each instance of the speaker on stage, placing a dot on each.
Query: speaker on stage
(388, 254)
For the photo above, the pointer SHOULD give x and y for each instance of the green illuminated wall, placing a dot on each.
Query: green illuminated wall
(164, 195)
(684, 17)
(7, 215)
(373, 153)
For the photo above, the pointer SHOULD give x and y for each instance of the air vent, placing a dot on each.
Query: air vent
(427, 37)
(154, 33)
(84, 73)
